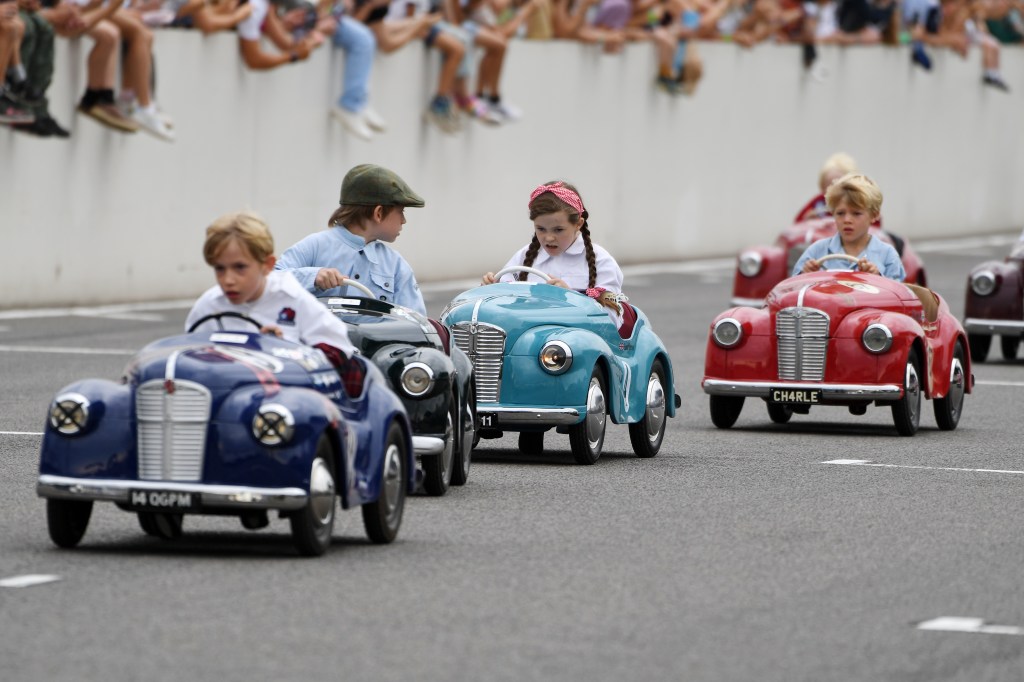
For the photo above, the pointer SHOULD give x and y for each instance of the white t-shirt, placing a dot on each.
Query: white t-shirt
(252, 26)
(571, 267)
(284, 304)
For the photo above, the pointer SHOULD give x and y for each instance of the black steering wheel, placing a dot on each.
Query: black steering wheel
(219, 316)
(839, 256)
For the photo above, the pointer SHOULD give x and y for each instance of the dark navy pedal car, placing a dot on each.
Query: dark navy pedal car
(230, 423)
(433, 380)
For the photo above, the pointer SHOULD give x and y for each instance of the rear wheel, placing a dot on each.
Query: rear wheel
(467, 439)
(437, 469)
(531, 442)
(67, 520)
(780, 414)
(161, 525)
(1009, 346)
(948, 409)
(906, 412)
(725, 410)
(647, 434)
(979, 344)
(587, 437)
(313, 524)
(383, 517)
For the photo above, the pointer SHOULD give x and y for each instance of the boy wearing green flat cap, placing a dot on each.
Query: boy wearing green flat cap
(355, 245)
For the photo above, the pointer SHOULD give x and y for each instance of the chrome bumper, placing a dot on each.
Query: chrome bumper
(1002, 327)
(525, 416)
(761, 389)
(425, 446)
(210, 496)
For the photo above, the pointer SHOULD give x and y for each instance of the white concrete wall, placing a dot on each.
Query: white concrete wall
(107, 217)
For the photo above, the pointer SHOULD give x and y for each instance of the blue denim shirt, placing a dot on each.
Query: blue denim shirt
(376, 265)
(878, 252)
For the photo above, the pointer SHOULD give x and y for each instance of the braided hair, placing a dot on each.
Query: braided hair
(545, 203)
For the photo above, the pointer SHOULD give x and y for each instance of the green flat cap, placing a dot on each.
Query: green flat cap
(370, 185)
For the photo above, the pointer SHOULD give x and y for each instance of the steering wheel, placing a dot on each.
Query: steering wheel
(521, 268)
(349, 282)
(839, 256)
(219, 316)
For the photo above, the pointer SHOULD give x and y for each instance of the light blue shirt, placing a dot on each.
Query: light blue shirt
(376, 266)
(877, 251)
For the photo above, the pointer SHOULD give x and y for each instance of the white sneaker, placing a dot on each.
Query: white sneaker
(374, 120)
(353, 122)
(509, 112)
(150, 121)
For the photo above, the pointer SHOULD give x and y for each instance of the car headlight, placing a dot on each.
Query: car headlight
(727, 332)
(273, 424)
(555, 357)
(983, 283)
(69, 413)
(417, 379)
(749, 263)
(877, 338)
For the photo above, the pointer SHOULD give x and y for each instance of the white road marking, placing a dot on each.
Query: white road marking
(21, 433)
(869, 463)
(111, 311)
(998, 383)
(973, 625)
(28, 580)
(76, 351)
(962, 243)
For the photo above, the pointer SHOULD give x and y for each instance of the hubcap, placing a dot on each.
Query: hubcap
(449, 449)
(321, 492)
(655, 417)
(595, 413)
(913, 391)
(956, 387)
(391, 483)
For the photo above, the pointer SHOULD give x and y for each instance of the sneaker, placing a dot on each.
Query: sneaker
(43, 126)
(150, 121)
(108, 115)
(995, 81)
(920, 57)
(374, 120)
(56, 130)
(508, 112)
(442, 113)
(355, 123)
(809, 54)
(481, 110)
(669, 85)
(12, 113)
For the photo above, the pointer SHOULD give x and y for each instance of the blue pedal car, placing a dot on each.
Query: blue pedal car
(230, 423)
(546, 357)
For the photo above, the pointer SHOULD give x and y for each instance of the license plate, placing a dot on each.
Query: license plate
(488, 420)
(795, 396)
(162, 499)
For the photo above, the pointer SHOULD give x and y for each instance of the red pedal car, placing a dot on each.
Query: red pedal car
(995, 305)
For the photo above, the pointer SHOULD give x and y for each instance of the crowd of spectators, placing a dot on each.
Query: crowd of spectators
(471, 39)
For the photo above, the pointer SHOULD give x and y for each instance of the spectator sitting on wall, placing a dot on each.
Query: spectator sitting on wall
(209, 17)
(962, 25)
(12, 110)
(1004, 21)
(32, 80)
(261, 21)
(569, 22)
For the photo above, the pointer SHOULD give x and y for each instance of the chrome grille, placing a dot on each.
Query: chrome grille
(485, 346)
(803, 343)
(172, 430)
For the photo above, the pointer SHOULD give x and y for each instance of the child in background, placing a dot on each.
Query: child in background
(855, 202)
(835, 167)
(562, 247)
(240, 249)
(371, 215)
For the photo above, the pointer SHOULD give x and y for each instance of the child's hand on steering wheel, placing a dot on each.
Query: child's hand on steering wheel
(489, 278)
(556, 282)
(811, 265)
(864, 265)
(272, 329)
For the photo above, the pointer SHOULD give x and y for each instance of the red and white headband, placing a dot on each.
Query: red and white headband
(562, 192)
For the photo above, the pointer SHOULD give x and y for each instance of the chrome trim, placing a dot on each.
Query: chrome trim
(425, 446)
(750, 260)
(171, 436)
(739, 332)
(568, 357)
(802, 343)
(746, 302)
(976, 324)
(82, 403)
(760, 389)
(430, 379)
(210, 496)
(512, 416)
(888, 338)
(484, 345)
(800, 296)
(983, 275)
(276, 430)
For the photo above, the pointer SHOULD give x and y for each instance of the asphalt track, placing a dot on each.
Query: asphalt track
(733, 555)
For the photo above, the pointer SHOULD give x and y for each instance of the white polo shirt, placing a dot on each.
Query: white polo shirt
(571, 267)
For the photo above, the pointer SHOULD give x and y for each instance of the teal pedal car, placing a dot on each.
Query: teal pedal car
(546, 357)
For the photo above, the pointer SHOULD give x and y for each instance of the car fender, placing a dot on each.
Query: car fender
(648, 348)
(428, 412)
(747, 290)
(890, 365)
(371, 442)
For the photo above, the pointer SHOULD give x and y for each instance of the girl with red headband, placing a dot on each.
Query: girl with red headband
(562, 248)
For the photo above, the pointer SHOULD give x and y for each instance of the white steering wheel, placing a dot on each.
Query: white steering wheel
(521, 268)
(838, 256)
(349, 282)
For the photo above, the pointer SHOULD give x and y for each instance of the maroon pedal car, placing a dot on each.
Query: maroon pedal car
(759, 268)
(840, 338)
(995, 305)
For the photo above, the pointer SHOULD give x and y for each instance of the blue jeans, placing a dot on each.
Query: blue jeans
(359, 44)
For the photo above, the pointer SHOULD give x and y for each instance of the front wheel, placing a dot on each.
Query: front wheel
(313, 524)
(383, 516)
(725, 410)
(67, 520)
(906, 412)
(948, 409)
(587, 437)
(1009, 345)
(161, 525)
(467, 439)
(979, 345)
(780, 414)
(647, 434)
(437, 469)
